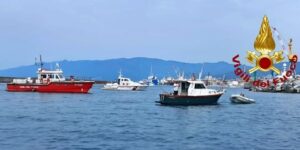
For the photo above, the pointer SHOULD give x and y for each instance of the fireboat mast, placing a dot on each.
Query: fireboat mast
(41, 62)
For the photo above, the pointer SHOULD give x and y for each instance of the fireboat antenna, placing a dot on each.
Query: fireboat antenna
(41, 62)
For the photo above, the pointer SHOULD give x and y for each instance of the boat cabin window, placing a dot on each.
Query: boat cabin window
(44, 76)
(199, 86)
(56, 77)
(51, 76)
(125, 79)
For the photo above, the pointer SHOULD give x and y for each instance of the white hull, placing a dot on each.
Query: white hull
(124, 84)
(238, 99)
(125, 88)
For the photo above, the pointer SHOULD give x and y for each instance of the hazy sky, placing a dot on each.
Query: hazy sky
(183, 30)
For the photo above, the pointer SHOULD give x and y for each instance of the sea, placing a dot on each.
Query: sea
(126, 120)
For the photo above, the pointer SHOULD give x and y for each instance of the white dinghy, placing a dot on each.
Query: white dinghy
(241, 99)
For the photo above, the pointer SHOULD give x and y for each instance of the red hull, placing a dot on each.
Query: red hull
(53, 87)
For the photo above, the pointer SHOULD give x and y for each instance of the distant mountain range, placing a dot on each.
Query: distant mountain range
(135, 68)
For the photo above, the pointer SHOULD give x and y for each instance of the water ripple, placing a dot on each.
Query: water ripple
(131, 120)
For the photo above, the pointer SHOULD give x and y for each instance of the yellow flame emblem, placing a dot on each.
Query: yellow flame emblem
(265, 45)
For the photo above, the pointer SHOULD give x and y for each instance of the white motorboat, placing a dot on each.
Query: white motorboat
(241, 99)
(124, 84)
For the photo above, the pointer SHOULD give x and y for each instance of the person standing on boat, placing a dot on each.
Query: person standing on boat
(72, 78)
(176, 85)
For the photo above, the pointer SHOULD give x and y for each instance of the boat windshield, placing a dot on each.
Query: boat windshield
(51, 76)
(199, 86)
(60, 76)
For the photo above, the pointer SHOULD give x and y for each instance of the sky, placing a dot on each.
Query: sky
(182, 30)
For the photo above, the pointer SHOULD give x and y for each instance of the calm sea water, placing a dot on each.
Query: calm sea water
(131, 120)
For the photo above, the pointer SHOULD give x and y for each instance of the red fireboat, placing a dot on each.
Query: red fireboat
(49, 81)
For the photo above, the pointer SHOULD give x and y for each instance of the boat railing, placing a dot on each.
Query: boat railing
(78, 78)
(22, 81)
